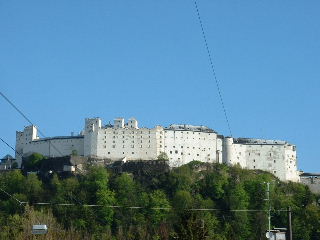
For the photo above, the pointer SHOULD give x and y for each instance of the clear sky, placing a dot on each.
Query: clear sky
(62, 61)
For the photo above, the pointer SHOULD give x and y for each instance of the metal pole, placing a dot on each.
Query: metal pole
(269, 210)
(289, 223)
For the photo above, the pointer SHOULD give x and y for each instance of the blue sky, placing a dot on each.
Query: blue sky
(63, 61)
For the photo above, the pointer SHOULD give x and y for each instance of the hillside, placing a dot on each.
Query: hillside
(194, 201)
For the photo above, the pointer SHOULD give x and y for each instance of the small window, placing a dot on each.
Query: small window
(108, 152)
(170, 152)
(132, 152)
(176, 151)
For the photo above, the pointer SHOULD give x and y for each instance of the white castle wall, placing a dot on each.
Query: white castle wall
(182, 144)
(28, 142)
(277, 157)
(120, 141)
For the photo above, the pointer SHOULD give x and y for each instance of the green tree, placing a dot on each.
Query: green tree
(33, 188)
(33, 162)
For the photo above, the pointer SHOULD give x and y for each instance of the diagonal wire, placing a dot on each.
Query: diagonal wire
(27, 119)
(10, 147)
(212, 67)
(19, 111)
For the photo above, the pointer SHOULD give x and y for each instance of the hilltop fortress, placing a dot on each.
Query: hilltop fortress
(182, 143)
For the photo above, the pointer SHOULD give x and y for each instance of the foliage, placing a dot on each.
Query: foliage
(33, 162)
(194, 201)
(163, 156)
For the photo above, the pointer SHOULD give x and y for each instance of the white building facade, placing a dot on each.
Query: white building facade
(274, 156)
(182, 144)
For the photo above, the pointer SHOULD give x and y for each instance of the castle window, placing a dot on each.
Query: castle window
(254, 166)
(181, 146)
(132, 152)
(170, 152)
(114, 146)
(274, 161)
(198, 154)
(182, 153)
(176, 151)
(108, 152)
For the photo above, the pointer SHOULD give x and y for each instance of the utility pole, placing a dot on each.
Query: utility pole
(289, 223)
(269, 207)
